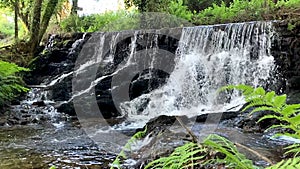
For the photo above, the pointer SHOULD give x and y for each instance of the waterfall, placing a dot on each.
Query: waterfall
(38, 105)
(209, 57)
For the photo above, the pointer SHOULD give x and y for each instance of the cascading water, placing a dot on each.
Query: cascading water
(208, 58)
(37, 106)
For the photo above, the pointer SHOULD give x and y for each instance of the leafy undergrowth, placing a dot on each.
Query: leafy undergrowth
(11, 83)
(252, 10)
(236, 11)
(99, 22)
(287, 114)
(216, 151)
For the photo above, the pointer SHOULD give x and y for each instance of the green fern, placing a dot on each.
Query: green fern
(293, 163)
(287, 114)
(233, 159)
(294, 149)
(10, 83)
(182, 157)
(193, 154)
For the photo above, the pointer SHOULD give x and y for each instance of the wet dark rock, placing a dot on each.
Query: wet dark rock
(224, 116)
(39, 103)
(62, 91)
(67, 108)
(160, 123)
(142, 84)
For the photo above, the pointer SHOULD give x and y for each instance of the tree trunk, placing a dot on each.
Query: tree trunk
(16, 20)
(25, 20)
(24, 15)
(74, 7)
(49, 11)
(35, 26)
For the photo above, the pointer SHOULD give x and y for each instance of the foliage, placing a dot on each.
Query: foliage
(25, 9)
(202, 12)
(240, 10)
(182, 157)
(127, 147)
(121, 20)
(288, 3)
(199, 5)
(10, 82)
(149, 5)
(287, 114)
(7, 24)
(233, 159)
(293, 163)
(194, 154)
(173, 7)
(99, 22)
(36, 15)
(178, 9)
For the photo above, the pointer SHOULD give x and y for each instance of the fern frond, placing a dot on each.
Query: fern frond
(254, 103)
(260, 100)
(259, 91)
(226, 147)
(270, 97)
(279, 101)
(293, 163)
(10, 82)
(270, 116)
(182, 157)
(291, 109)
(295, 120)
(294, 149)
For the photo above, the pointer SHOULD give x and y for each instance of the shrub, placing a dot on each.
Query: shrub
(241, 10)
(178, 9)
(98, 22)
(11, 83)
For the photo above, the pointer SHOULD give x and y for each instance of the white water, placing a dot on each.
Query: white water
(40, 93)
(209, 58)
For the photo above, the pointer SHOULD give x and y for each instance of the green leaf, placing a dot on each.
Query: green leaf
(279, 101)
(260, 91)
(293, 163)
(264, 108)
(295, 120)
(270, 97)
(270, 116)
(290, 109)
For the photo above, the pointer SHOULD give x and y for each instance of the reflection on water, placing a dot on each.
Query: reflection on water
(39, 147)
